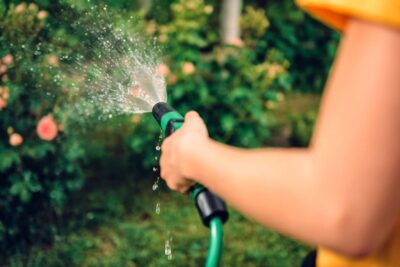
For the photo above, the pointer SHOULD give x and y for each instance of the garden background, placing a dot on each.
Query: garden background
(78, 192)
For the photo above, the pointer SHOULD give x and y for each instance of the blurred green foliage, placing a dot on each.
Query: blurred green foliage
(307, 44)
(36, 174)
(138, 239)
(236, 87)
(230, 85)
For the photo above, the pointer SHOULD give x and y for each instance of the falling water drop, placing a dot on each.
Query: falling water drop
(168, 249)
(155, 186)
(158, 148)
(158, 208)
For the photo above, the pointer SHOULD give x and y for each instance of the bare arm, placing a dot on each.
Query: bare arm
(342, 192)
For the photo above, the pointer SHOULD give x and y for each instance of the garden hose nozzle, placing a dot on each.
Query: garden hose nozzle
(211, 208)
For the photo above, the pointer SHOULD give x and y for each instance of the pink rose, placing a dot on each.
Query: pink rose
(53, 60)
(42, 14)
(16, 139)
(3, 103)
(4, 93)
(188, 68)
(8, 59)
(208, 9)
(151, 28)
(47, 128)
(162, 69)
(172, 79)
(163, 38)
(20, 8)
(32, 6)
(3, 68)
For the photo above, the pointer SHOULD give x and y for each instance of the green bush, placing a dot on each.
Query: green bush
(38, 159)
(302, 127)
(308, 45)
(230, 85)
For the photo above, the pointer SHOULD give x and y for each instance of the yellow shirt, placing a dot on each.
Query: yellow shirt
(335, 13)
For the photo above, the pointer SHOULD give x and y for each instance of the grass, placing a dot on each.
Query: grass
(128, 232)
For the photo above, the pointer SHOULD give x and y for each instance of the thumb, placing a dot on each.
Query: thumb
(193, 121)
(191, 116)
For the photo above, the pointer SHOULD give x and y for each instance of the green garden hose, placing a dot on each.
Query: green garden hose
(216, 243)
(211, 208)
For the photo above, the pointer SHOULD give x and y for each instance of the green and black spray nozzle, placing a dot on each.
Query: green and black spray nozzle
(208, 204)
(168, 118)
(211, 208)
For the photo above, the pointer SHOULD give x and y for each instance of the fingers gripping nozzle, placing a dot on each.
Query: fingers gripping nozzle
(208, 204)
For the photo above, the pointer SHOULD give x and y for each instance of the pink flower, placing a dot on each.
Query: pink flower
(208, 9)
(20, 8)
(162, 69)
(188, 68)
(172, 79)
(47, 128)
(42, 14)
(151, 28)
(8, 59)
(163, 38)
(16, 139)
(3, 68)
(53, 60)
(4, 93)
(32, 6)
(3, 103)
(235, 42)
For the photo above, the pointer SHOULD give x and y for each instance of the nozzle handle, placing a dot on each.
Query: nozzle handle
(208, 204)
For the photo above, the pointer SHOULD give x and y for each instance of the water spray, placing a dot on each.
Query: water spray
(123, 79)
(211, 208)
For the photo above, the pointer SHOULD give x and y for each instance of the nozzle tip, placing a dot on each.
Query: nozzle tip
(160, 109)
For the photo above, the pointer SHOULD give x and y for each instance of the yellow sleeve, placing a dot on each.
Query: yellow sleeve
(335, 13)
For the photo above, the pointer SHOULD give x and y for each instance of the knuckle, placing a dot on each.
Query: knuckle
(172, 185)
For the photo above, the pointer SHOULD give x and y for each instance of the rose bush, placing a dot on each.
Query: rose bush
(38, 169)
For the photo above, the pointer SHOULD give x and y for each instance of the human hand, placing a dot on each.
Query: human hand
(177, 150)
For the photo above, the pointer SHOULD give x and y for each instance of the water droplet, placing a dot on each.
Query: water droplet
(158, 148)
(110, 116)
(154, 169)
(158, 208)
(120, 63)
(168, 249)
(155, 186)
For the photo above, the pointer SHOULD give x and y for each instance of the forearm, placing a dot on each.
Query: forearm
(276, 187)
(287, 190)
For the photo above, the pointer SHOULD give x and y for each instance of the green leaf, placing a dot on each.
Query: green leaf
(7, 159)
(228, 123)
